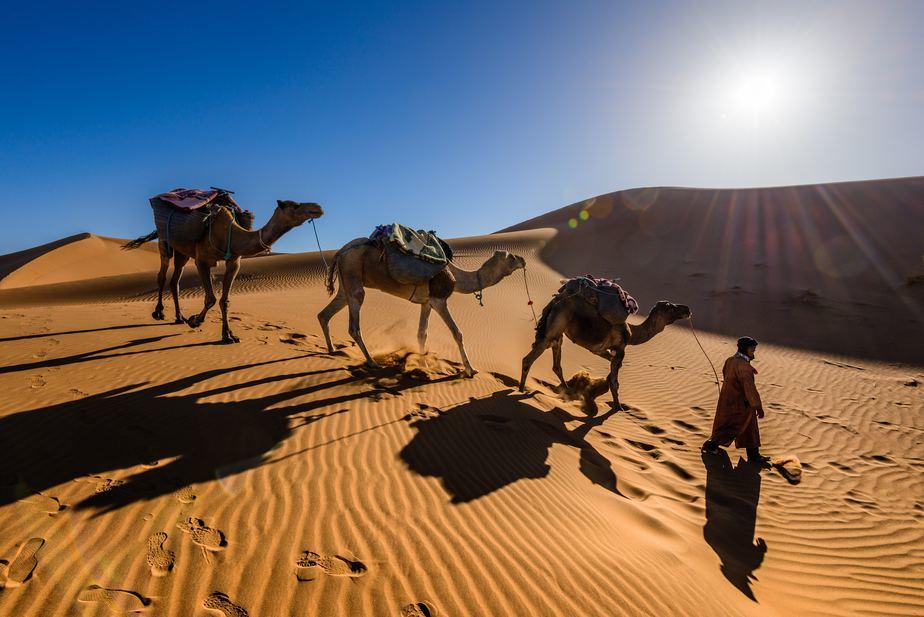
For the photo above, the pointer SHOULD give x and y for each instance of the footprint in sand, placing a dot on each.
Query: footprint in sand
(44, 503)
(118, 601)
(418, 609)
(20, 569)
(160, 559)
(185, 495)
(220, 602)
(101, 484)
(206, 537)
(331, 565)
(36, 382)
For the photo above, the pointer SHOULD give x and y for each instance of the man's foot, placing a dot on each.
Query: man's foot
(710, 447)
(755, 457)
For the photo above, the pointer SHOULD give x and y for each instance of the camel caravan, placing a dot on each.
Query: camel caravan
(416, 265)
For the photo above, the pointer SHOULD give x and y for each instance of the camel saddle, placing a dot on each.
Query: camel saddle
(180, 215)
(612, 302)
(415, 257)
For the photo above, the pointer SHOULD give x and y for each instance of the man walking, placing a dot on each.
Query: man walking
(739, 406)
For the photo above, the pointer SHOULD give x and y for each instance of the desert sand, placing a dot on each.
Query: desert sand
(147, 469)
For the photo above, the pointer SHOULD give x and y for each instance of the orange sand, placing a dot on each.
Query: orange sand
(145, 468)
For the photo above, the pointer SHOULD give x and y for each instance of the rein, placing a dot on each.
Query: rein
(529, 297)
(696, 338)
(318, 240)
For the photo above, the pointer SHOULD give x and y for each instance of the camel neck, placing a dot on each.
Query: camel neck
(644, 332)
(470, 281)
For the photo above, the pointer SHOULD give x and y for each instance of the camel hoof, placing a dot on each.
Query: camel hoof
(469, 373)
(228, 337)
(158, 315)
(193, 322)
(179, 319)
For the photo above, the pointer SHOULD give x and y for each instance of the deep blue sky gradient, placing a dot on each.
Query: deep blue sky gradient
(463, 117)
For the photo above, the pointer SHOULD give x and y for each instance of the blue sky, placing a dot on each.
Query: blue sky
(463, 117)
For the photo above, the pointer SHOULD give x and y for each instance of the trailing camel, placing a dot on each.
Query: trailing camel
(223, 240)
(359, 264)
(574, 312)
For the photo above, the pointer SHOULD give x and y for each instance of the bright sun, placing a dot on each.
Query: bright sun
(758, 93)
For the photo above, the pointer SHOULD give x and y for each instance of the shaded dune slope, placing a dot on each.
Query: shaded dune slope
(831, 267)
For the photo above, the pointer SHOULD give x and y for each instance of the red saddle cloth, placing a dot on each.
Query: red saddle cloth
(612, 287)
(188, 199)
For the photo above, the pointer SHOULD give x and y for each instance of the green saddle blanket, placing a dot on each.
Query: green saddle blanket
(418, 243)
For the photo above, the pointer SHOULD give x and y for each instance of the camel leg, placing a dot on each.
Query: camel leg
(179, 262)
(613, 379)
(442, 309)
(539, 347)
(355, 302)
(165, 254)
(422, 328)
(555, 325)
(556, 361)
(232, 267)
(205, 276)
(333, 307)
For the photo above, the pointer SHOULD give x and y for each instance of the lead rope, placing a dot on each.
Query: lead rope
(529, 297)
(693, 330)
(318, 240)
(480, 293)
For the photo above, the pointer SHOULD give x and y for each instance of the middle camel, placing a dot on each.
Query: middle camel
(359, 264)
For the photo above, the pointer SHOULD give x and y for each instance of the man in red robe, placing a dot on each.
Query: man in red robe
(739, 406)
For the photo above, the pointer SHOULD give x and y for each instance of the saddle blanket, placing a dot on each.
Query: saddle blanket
(421, 244)
(609, 286)
(188, 199)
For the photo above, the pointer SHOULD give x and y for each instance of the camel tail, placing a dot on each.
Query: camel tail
(138, 242)
(543, 322)
(332, 272)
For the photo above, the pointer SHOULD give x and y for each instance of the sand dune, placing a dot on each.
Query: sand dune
(833, 267)
(146, 469)
(77, 258)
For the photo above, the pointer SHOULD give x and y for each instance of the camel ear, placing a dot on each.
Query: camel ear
(282, 204)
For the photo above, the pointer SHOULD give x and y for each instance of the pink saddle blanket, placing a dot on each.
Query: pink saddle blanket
(612, 287)
(188, 199)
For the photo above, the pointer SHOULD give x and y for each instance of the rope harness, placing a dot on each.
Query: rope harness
(228, 253)
(480, 293)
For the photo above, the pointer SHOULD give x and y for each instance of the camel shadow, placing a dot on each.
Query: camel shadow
(486, 444)
(732, 495)
(87, 331)
(141, 426)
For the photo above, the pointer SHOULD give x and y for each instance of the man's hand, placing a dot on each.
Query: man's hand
(760, 412)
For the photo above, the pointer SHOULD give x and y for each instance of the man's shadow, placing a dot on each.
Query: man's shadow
(732, 495)
(486, 444)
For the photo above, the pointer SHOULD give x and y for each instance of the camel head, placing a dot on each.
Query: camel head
(506, 262)
(671, 312)
(293, 213)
